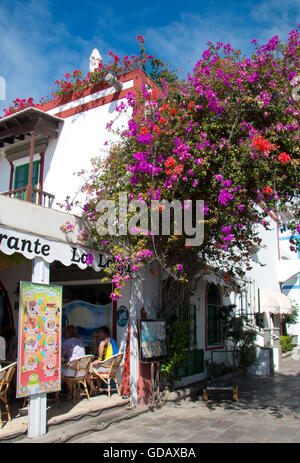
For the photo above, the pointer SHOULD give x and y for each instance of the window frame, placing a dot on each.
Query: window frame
(218, 345)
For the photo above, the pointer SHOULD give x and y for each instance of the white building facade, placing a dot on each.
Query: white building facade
(68, 134)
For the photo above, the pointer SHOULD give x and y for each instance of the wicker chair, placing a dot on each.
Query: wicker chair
(80, 367)
(6, 375)
(106, 371)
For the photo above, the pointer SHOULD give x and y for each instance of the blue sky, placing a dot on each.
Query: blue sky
(41, 40)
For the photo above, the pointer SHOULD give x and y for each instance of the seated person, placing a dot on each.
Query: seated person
(72, 348)
(107, 347)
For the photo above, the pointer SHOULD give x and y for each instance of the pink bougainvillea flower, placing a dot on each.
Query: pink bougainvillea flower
(227, 238)
(89, 259)
(226, 229)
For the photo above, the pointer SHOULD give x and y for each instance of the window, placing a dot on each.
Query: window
(193, 325)
(189, 315)
(214, 322)
(22, 173)
(260, 320)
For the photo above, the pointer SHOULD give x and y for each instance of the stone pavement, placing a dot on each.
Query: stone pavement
(62, 415)
(268, 410)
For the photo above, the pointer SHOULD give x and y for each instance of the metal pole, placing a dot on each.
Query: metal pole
(37, 413)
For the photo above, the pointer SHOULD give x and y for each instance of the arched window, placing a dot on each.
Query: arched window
(214, 323)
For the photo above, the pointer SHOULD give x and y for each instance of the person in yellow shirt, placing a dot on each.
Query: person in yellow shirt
(107, 347)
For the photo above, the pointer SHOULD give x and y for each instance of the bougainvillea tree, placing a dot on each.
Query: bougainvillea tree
(227, 135)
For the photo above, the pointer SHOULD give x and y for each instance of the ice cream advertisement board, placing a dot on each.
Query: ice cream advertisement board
(39, 339)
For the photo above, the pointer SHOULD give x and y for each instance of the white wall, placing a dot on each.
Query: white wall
(151, 296)
(81, 137)
(4, 173)
(266, 275)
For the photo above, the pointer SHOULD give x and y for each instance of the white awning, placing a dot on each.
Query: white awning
(272, 302)
(33, 245)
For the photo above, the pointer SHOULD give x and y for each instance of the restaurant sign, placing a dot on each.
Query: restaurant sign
(32, 246)
(39, 362)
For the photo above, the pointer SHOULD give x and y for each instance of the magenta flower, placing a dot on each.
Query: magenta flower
(89, 259)
(115, 297)
(226, 229)
(227, 238)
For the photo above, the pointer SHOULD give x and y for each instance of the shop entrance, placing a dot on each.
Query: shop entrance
(86, 301)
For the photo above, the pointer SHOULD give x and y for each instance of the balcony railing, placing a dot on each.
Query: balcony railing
(37, 196)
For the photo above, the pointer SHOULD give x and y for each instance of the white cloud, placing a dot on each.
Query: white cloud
(36, 49)
(186, 37)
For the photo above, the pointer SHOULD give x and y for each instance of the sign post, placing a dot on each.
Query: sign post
(135, 304)
(37, 408)
(39, 349)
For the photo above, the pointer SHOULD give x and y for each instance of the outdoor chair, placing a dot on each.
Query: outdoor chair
(6, 375)
(106, 371)
(80, 367)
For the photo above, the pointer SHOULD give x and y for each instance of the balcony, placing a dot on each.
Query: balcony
(26, 133)
(33, 195)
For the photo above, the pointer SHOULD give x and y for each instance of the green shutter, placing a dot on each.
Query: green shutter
(193, 325)
(35, 173)
(214, 325)
(21, 177)
(214, 322)
(192, 365)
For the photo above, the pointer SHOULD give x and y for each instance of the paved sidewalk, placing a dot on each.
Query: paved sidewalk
(268, 410)
(64, 414)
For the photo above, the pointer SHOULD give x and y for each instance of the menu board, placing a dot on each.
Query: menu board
(39, 339)
(153, 340)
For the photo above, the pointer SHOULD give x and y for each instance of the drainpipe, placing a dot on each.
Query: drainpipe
(112, 80)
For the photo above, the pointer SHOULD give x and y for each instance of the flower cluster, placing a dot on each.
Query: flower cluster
(77, 81)
(229, 135)
(19, 105)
